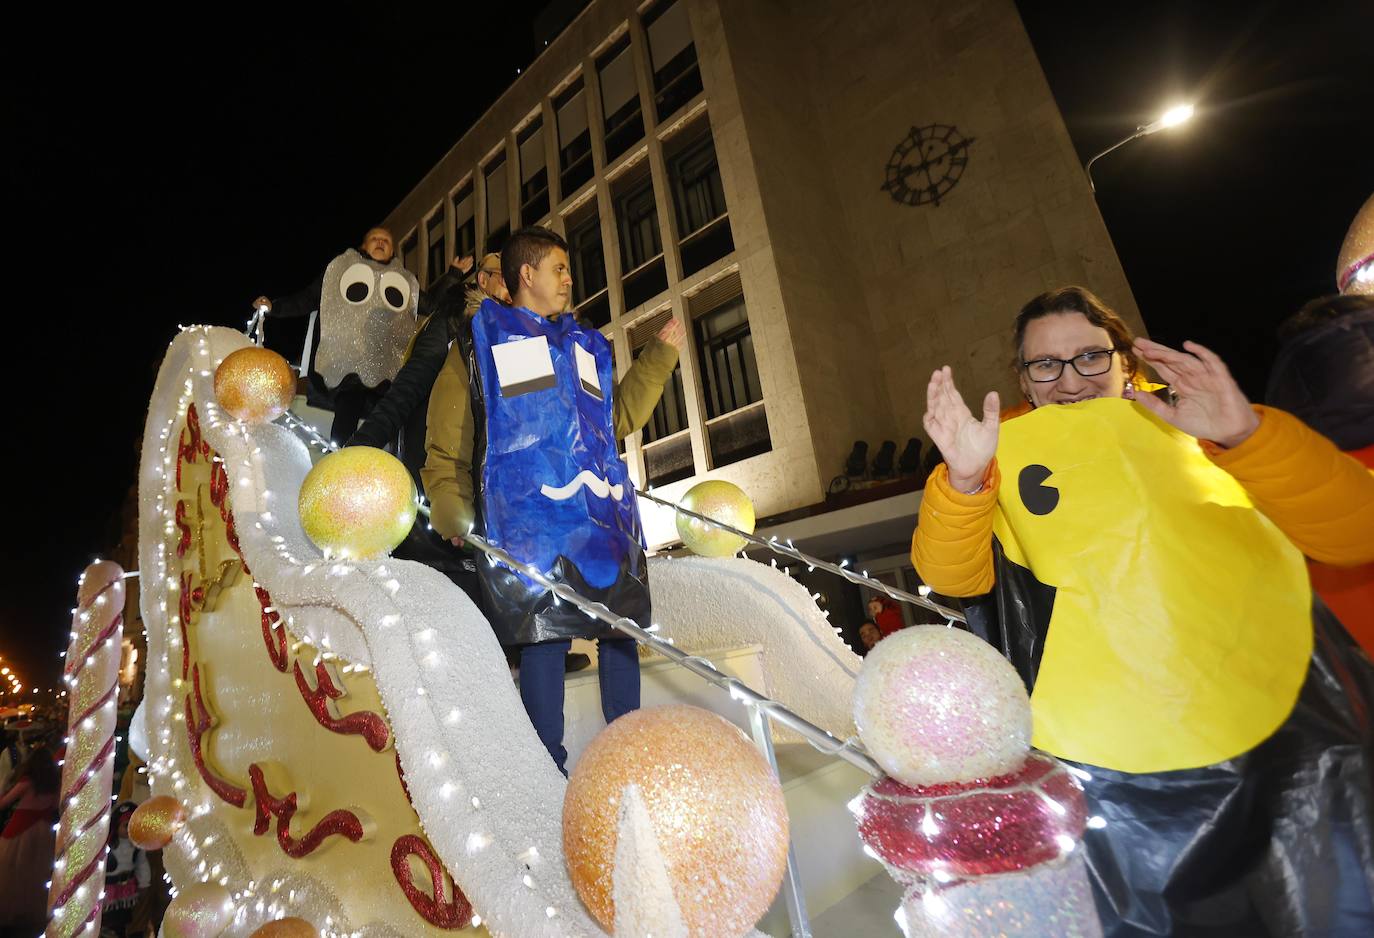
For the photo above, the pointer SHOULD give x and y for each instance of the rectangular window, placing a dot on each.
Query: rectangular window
(736, 423)
(464, 223)
(574, 139)
(641, 248)
(620, 99)
(673, 57)
(498, 204)
(410, 253)
(666, 441)
(534, 174)
(434, 230)
(588, 268)
(699, 199)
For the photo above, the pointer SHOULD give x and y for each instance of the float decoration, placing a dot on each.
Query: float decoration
(723, 502)
(91, 677)
(987, 838)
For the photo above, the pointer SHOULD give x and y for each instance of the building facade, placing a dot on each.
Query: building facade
(834, 199)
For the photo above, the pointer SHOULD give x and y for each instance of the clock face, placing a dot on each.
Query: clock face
(926, 164)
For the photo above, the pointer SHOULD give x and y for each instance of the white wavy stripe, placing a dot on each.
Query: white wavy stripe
(584, 479)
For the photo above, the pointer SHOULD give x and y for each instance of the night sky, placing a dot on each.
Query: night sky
(157, 179)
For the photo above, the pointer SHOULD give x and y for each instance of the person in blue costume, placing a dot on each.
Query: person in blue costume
(536, 411)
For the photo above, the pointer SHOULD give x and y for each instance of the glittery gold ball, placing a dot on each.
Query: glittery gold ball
(1355, 268)
(717, 811)
(201, 910)
(287, 928)
(155, 822)
(358, 502)
(254, 385)
(721, 501)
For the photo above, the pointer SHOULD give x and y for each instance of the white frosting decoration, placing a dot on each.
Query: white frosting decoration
(643, 891)
(486, 792)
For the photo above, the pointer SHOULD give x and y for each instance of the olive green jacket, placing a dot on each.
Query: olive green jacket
(447, 475)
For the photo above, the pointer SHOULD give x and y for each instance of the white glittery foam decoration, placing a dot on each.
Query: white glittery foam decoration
(643, 891)
(708, 603)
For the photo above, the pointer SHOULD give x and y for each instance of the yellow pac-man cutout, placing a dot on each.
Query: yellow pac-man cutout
(1182, 626)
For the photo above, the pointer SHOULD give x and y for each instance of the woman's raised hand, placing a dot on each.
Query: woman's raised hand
(1210, 405)
(968, 444)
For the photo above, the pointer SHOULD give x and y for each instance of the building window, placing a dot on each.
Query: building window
(464, 223)
(666, 442)
(434, 231)
(498, 204)
(736, 424)
(641, 248)
(673, 57)
(534, 174)
(410, 254)
(588, 260)
(574, 140)
(700, 202)
(620, 99)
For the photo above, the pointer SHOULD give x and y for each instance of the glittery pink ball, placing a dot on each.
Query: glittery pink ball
(937, 704)
(997, 825)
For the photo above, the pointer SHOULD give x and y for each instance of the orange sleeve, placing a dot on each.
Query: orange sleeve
(952, 546)
(1321, 498)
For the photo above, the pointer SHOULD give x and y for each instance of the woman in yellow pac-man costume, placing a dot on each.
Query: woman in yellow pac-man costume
(1139, 559)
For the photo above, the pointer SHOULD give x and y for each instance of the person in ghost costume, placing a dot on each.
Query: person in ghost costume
(366, 308)
(1139, 560)
(537, 411)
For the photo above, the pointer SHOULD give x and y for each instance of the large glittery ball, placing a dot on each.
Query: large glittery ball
(201, 910)
(936, 704)
(999, 825)
(287, 928)
(716, 808)
(255, 384)
(155, 822)
(720, 501)
(358, 502)
(1355, 268)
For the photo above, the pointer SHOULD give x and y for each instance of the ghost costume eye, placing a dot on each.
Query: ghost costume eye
(587, 374)
(356, 283)
(523, 366)
(395, 289)
(1039, 498)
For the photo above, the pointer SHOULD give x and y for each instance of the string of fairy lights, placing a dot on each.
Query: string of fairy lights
(823, 741)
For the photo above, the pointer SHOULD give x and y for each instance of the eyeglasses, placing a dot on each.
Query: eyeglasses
(1087, 364)
(490, 273)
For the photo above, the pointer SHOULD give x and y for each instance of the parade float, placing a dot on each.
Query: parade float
(336, 746)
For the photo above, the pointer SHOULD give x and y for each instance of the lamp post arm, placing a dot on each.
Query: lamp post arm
(1140, 132)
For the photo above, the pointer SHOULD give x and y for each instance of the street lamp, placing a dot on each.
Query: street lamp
(1176, 115)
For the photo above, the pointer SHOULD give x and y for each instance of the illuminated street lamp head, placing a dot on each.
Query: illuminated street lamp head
(1176, 115)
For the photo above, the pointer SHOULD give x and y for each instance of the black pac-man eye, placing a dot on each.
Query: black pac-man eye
(395, 290)
(1039, 498)
(355, 285)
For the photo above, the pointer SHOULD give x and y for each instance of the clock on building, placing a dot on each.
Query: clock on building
(926, 164)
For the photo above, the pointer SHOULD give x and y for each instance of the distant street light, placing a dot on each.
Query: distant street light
(1171, 118)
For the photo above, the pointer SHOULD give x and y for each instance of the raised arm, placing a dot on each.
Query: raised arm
(637, 394)
(952, 546)
(1322, 499)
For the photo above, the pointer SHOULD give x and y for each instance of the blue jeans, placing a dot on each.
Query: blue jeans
(541, 687)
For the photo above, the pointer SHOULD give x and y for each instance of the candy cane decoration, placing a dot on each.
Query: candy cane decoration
(92, 675)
